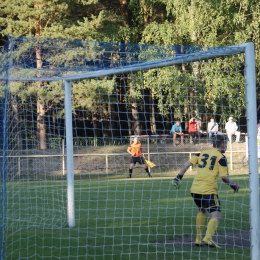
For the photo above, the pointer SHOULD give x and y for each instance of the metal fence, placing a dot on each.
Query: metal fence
(88, 158)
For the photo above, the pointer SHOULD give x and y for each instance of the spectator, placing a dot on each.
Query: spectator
(212, 129)
(177, 130)
(193, 130)
(231, 128)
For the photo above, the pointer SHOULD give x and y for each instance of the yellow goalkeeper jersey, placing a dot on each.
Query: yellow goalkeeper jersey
(211, 165)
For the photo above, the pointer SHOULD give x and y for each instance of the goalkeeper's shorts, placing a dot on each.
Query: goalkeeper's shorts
(209, 202)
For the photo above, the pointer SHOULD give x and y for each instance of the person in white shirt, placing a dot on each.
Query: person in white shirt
(212, 129)
(231, 128)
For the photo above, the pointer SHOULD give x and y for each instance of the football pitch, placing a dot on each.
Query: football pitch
(119, 218)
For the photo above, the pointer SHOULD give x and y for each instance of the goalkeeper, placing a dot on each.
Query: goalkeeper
(211, 165)
(135, 149)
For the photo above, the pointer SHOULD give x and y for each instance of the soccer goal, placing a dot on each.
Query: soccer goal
(70, 109)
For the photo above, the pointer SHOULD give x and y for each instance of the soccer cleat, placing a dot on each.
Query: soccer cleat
(198, 242)
(210, 243)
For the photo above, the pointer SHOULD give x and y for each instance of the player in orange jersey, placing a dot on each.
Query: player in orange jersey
(135, 149)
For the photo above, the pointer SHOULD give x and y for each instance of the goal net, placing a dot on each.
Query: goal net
(69, 111)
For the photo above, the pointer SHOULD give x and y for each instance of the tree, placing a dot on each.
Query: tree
(46, 18)
(159, 22)
(33, 18)
(210, 23)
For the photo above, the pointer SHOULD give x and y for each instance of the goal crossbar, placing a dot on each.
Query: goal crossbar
(85, 73)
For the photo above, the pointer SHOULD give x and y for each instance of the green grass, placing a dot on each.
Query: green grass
(118, 219)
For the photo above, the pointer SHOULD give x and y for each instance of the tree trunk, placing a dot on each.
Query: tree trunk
(41, 126)
(17, 120)
(136, 121)
(152, 114)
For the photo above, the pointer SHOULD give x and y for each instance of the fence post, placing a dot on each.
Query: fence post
(106, 164)
(19, 166)
(190, 166)
(231, 156)
(148, 148)
(63, 156)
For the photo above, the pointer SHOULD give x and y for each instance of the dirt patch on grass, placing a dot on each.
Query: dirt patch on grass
(231, 239)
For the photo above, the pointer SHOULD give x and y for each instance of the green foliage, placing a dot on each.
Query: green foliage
(207, 23)
(223, 83)
(193, 87)
(94, 95)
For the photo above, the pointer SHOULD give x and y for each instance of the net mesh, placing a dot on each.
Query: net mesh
(119, 91)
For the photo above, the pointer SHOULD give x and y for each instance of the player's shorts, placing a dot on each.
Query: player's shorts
(137, 159)
(209, 202)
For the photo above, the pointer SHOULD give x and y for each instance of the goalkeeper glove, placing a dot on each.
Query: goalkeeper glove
(176, 182)
(234, 186)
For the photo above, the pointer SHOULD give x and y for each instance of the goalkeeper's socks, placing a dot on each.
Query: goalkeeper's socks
(130, 173)
(200, 222)
(211, 228)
